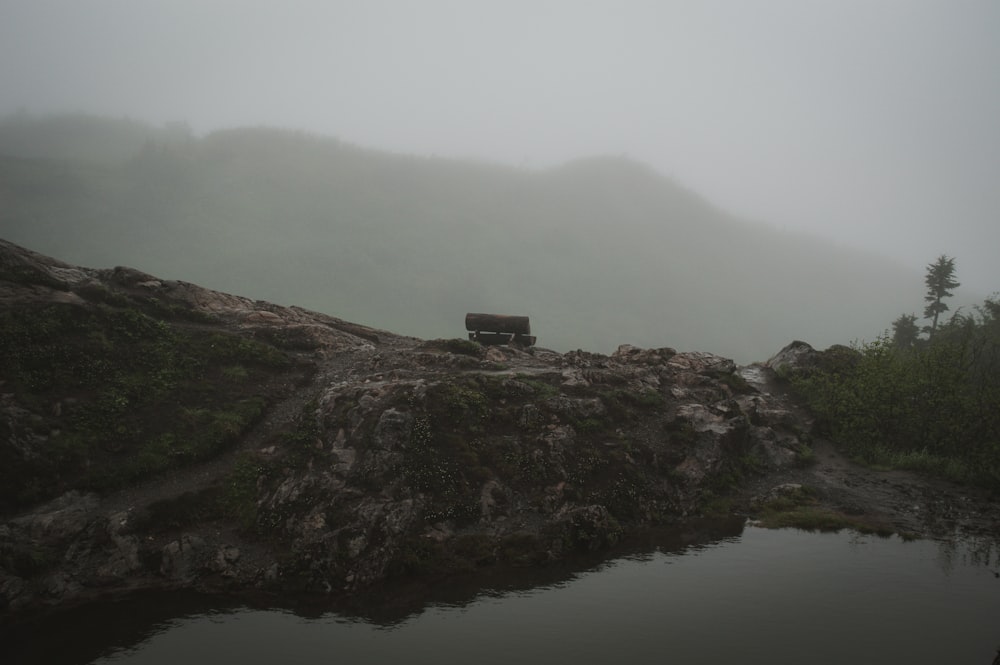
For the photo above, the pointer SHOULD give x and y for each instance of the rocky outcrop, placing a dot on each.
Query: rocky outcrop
(400, 457)
(27, 277)
(801, 359)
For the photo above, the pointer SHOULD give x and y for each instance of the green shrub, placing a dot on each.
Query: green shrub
(931, 408)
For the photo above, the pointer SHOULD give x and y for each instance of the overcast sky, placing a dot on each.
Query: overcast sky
(872, 122)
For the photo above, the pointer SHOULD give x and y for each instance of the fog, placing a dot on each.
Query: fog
(873, 123)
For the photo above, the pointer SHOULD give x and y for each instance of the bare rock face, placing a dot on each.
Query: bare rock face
(123, 553)
(27, 277)
(391, 458)
(60, 519)
(44, 549)
(182, 559)
(439, 470)
(796, 356)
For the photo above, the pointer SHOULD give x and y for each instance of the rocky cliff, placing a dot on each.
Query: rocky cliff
(154, 434)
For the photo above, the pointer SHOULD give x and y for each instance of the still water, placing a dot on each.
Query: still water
(761, 596)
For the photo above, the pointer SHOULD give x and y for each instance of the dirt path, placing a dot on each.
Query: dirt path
(904, 501)
(204, 474)
(281, 416)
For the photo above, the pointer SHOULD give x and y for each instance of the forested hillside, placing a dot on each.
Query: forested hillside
(598, 252)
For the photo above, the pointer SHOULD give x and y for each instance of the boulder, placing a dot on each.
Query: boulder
(795, 357)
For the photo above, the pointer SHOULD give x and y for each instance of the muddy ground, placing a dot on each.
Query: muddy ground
(903, 502)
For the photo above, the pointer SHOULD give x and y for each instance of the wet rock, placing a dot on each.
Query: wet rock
(439, 532)
(226, 558)
(183, 559)
(12, 591)
(699, 362)
(634, 354)
(130, 276)
(788, 491)
(388, 442)
(795, 357)
(123, 555)
(59, 585)
(495, 354)
(60, 519)
(264, 317)
(494, 502)
(773, 449)
(702, 418)
(530, 416)
(574, 377)
(392, 431)
(712, 438)
(17, 430)
(588, 528)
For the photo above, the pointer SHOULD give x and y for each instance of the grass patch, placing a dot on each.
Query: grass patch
(591, 425)
(541, 389)
(718, 507)
(108, 396)
(799, 508)
(816, 518)
(804, 455)
(238, 497)
(920, 461)
(299, 444)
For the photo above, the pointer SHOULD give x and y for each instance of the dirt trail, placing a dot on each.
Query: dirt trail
(904, 501)
(281, 416)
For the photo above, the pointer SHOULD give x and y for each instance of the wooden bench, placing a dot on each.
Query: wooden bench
(492, 329)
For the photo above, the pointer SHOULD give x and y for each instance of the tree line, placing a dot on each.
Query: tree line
(923, 397)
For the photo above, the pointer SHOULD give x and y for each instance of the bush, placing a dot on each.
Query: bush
(932, 407)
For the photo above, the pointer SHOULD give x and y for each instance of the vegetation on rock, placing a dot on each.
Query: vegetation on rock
(930, 404)
(98, 396)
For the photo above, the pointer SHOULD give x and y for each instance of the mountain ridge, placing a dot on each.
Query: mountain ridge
(595, 250)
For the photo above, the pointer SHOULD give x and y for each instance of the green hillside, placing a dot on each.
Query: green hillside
(598, 252)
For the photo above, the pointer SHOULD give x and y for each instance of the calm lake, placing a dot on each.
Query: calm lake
(754, 596)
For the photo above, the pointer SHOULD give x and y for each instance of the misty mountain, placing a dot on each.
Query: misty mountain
(82, 137)
(599, 252)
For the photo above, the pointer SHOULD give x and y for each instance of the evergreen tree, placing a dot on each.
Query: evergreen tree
(939, 280)
(905, 331)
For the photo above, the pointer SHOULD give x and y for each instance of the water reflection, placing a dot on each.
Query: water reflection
(400, 601)
(87, 633)
(970, 551)
(83, 634)
(710, 594)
